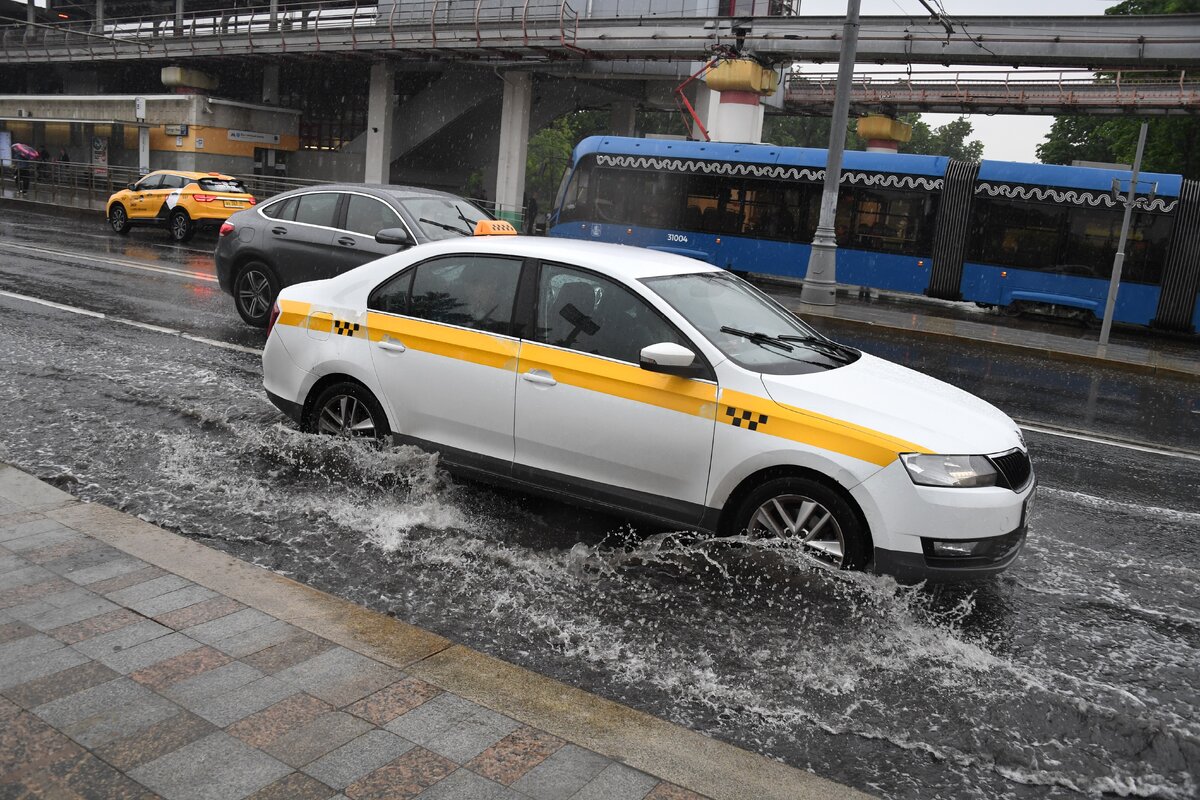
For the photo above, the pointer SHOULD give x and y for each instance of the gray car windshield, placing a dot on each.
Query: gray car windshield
(443, 217)
(753, 330)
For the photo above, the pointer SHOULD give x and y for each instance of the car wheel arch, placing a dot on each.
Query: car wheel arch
(331, 378)
(747, 484)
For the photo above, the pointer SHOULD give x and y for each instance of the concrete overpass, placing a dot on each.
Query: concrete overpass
(1025, 92)
(549, 32)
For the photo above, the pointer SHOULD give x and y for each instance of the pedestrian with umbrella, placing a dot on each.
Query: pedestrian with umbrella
(25, 157)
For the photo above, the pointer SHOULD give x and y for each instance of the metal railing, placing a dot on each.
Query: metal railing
(1133, 90)
(90, 185)
(481, 22)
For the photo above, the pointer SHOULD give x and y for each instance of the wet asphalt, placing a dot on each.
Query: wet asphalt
(1075, 674)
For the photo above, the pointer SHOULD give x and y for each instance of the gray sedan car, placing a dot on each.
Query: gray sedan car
(321, 231)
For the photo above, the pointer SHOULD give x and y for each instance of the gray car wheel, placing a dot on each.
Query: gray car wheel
(254, 291)
(347, 410)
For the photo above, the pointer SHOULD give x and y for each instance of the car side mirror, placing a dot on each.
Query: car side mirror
(398, 236)
(671, 359)
(131, 186)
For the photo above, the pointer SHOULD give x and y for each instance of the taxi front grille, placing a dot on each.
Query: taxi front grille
(1015, 468)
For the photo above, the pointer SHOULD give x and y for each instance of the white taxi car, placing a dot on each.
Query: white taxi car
(657, 386)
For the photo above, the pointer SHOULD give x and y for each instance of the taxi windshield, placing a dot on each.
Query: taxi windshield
(444, 217)
(753, 330)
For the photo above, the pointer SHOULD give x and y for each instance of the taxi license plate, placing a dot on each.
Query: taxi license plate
(234, 204)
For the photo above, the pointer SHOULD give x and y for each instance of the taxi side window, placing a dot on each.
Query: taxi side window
(368, 216)
(174, 182)
(591, 314)
(392, 296)
(149, 182)
(471, 291)
(317, 208)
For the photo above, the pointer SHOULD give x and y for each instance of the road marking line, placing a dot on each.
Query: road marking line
(1085, 436)
(146, 326)
(1028, 426)
(178, 273)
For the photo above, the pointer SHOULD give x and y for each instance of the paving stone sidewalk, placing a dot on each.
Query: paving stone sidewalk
(121, 680)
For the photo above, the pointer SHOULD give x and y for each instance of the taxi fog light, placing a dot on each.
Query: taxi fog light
(952, 471)
(951, 549)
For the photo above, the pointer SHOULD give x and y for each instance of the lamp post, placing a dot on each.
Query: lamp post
(820, 282)
(1119, 260)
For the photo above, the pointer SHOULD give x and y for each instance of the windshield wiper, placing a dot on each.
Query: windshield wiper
(821, 344)
(758, 338)
(445, 227)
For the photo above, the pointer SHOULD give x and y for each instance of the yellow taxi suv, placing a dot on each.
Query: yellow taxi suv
(179, 201)
(658, 387)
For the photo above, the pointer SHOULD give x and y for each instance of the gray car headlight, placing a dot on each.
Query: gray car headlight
(956, 471)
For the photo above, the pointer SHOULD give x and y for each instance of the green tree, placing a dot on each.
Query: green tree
(1172, 143)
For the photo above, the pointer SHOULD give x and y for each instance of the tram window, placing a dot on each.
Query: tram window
(889, 221)
(1018, 234)
(778, 210)
(714, 205)
(629, 197)
(1091, 244)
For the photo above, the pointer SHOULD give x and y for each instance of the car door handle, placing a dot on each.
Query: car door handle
(540, 377)
(279, 231)
(388, 343)
(346, 241)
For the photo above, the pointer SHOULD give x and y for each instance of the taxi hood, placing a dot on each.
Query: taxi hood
(899, 402)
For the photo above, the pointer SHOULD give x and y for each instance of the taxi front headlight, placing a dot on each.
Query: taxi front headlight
(953, 471)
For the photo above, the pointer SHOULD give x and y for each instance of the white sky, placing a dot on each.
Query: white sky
(1004, 137)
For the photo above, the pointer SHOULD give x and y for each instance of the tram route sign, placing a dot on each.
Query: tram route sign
(175, 130)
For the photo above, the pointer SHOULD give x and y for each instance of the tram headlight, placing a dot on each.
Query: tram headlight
(952, 471)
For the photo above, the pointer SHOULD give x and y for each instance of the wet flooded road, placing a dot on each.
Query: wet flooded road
(1074, 674)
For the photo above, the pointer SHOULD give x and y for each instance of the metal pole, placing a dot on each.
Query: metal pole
(820, 283)
(1119, 260)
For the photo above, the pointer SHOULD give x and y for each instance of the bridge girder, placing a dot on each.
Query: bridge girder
(552, 42)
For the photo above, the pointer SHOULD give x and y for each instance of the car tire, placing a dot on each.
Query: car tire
(348, 410)
(181, 226)
(803, 507)
(118, 219)
(254, 291)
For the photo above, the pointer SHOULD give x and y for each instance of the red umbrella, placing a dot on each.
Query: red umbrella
(25, 151)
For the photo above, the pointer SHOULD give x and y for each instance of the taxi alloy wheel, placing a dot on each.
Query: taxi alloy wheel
(182, 227)
(809, 513)
(254, 293)
(118, 219)
(349, 411)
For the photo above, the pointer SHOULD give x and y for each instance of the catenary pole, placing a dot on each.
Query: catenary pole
(1119, 260)
(820, 282)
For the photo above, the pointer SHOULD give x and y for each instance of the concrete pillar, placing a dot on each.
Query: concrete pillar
(706, 105)
(143, 150)
(622, 119)
(514, 145)
(30, 15)
(179, 17)
(381, 107)
(274, 14)
(98, 24)
(270, 84)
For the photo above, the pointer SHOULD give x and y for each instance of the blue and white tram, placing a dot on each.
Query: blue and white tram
(997, 233)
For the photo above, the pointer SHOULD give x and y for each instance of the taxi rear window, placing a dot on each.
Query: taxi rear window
(222, 185)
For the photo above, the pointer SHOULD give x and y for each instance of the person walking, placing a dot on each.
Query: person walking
(531, 212)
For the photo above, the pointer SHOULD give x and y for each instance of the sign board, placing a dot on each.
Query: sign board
(139, 108)
(175, 130)
(253, 136)
(6, 148)
(199, 143)
(100, 155)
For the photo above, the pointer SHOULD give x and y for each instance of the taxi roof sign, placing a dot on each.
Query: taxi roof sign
(494, 227)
